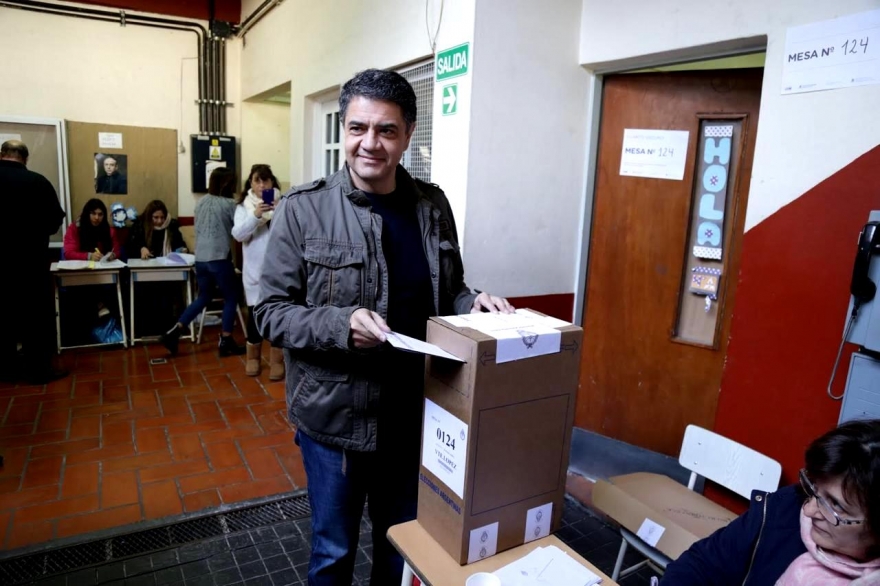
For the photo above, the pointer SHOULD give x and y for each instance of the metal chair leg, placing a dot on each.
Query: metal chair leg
(201, 325)
(615, 575)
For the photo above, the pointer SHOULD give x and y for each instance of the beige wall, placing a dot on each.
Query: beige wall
(265, 138)
(89, 71)
(802, 138)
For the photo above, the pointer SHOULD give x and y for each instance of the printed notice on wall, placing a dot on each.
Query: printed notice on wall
(110, 140)
(444, 446)
(832, 54)
(658, 154)
(5, 137)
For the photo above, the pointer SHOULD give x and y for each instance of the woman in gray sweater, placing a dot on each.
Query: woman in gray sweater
(214, 269)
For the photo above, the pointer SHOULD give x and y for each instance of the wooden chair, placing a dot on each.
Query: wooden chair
(721, 460)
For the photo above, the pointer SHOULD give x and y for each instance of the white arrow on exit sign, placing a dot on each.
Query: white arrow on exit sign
(450, 99)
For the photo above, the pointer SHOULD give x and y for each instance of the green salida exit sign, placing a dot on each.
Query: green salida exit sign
(453, 62)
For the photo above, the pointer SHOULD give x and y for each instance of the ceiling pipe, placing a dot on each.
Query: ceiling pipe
(122, 18)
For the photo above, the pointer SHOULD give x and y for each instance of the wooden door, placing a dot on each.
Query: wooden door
(642, 380)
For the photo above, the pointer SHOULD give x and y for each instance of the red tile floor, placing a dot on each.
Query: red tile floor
(121, 441)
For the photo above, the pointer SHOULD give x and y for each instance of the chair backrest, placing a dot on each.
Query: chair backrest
(727, 463)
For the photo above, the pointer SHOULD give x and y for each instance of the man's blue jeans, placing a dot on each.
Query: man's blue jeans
(339, 482)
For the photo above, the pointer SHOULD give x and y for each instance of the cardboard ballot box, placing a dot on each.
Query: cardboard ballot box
(643, 501)
(497, 430)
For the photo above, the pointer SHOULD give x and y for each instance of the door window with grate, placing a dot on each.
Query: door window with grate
(417, 158)
(331, 146)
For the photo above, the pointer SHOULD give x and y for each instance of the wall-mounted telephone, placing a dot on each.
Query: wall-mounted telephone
(862, 325)
(862, 287)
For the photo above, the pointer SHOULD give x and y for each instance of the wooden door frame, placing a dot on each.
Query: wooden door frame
(594, 118)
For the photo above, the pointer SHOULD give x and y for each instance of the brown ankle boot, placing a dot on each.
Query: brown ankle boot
(253, 365)
(276, 364)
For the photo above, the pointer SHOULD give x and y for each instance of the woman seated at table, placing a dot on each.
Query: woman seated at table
(155, 233)
(824, 531)
(91, 236)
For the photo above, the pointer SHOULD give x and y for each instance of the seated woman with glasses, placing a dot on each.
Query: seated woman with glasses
(825, 531)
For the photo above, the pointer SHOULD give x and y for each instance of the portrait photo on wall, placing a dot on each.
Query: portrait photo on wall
(111, 173)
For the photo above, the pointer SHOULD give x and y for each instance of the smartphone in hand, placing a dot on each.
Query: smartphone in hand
(269, 197)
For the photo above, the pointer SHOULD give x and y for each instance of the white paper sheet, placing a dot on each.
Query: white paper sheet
(409, 344)
(444, 446)
(546, 566)
(832, 54)
(657, 154)
(538, 522)
(175, 259)
(520, 335)
(79, 265)
(110, 140)
(483, 543)
(8, 136)
(650, 532)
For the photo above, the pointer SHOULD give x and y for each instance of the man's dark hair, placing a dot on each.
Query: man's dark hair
(851, 453)
(14, 149)
(384, 85)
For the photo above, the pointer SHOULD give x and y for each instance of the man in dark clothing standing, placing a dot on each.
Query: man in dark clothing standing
(350, 258)
(28, 301)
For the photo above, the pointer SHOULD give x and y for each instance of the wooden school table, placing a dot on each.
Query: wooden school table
(425, 559)
(86, 276)
(156, 270)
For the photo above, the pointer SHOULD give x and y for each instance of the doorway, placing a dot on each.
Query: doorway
(664, 252)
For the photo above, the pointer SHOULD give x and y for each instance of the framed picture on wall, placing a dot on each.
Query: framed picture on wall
(111, 173)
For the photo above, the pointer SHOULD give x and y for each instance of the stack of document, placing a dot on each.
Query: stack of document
(546, 565)
(78, 265)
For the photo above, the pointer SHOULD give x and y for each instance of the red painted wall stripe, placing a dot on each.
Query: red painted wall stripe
(791, 304)
(560, 305)
(229, 10)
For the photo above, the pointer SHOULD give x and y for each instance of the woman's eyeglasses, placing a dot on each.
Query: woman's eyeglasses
(828, 513)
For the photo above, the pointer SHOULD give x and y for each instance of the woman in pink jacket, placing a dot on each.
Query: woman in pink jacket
(92, 237)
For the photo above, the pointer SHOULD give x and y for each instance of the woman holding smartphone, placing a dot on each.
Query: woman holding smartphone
(252, 217)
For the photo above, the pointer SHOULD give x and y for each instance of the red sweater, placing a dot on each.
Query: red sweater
(72, 249)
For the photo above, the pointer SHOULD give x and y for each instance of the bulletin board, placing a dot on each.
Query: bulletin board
(150, 164)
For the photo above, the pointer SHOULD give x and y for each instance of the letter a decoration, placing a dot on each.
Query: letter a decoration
(712, 182)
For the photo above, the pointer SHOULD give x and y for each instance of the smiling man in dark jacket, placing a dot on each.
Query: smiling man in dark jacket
(351, 257)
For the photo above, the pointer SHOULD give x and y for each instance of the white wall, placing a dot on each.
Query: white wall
(317, 46)
(527, 145)
(265, 131)
(89, 71)
(802, 139)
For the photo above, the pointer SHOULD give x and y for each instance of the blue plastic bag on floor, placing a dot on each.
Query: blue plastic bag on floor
(107, 332)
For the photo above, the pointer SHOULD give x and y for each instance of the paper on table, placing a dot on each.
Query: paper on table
(409, 344)
(78, 265)
(179, 258)
(546, 565)
(523, 334)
